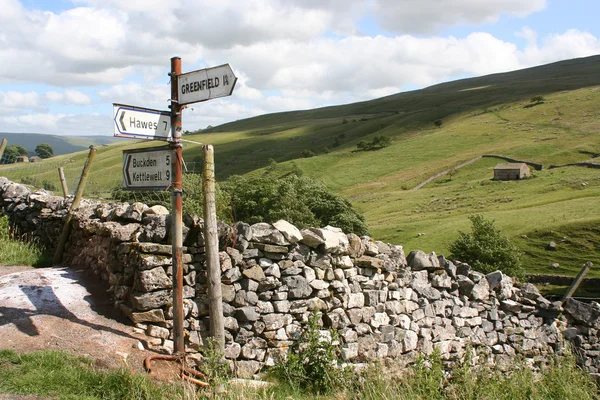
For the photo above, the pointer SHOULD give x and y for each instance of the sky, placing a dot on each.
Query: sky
(63, 63)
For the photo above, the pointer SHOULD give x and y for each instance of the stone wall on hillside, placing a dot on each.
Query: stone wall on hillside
(383, 304)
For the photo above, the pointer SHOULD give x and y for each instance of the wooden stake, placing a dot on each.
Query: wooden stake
(578, 279)
(60, 248)
(211, 246)
(63, 182)
(3, 146)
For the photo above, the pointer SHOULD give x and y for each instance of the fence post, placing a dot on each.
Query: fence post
(74, 205)
(211, 248)
(2, 147)
(63, 182)
(578, 279)
(177, 211)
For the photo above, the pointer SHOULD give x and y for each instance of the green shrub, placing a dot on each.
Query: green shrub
(486, 249)
(378, 142)
(307, 153)
(313, 363)
(299, 200)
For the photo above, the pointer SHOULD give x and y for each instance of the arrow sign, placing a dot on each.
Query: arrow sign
(148, 169)
(141, 123)
(205, 84)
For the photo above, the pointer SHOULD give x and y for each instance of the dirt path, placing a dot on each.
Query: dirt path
(420, 185)
(64, 309)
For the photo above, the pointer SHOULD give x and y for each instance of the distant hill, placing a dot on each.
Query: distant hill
(60, 144)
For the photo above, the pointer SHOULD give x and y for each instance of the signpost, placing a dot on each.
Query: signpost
(205, 84)
(148, 169)
(141, 123)
(161, 168)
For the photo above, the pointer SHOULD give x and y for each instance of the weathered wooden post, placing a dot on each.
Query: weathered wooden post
(578, 279)
(177, 210)
(63, 182)
(211, 248)
(3, 146)
(74, 205)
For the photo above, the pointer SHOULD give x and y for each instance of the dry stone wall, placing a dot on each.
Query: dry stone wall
(383, 304)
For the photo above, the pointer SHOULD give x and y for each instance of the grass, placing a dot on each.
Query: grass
(65, 376)
(17, 252)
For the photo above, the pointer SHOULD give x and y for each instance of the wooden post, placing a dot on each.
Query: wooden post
(578, 279)
(74, 205)
(3, 146)
(63, 182)
(211, 247)
(177, 210)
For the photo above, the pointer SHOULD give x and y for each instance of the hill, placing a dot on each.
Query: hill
(60, 144)
(486, 115)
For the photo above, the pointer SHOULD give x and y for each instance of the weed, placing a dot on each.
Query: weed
(313, 363)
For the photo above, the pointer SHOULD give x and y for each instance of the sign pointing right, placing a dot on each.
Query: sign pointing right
(205, 84)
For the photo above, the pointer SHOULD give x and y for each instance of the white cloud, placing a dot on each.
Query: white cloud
(68, 97)
(428, 16)
(12, 101)
(58, 124)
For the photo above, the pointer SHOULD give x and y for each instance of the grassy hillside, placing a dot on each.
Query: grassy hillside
(60, 144)
(491, 114)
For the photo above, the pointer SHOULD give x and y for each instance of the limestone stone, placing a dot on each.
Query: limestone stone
(289, 231)
(153, 279)
(152, 300)
(298, 287)
(419, 260)
(255, 273)
(311, 238)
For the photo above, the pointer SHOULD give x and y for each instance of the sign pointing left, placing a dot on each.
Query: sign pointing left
(141, 123)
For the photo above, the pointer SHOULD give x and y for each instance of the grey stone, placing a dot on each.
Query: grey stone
(255, 273)
(481, 290)
(298, 287)
(148, 301)
(419, 260)
(247, 314)
(263, 232)
(153, 279)
(289, 231)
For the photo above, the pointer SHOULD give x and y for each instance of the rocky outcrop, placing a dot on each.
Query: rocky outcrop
(382, 303)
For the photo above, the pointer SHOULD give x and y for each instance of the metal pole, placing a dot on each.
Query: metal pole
(3, 146)
(74, 205)
(578, 279)
(63, 182)
(211, 248)
(176, 210)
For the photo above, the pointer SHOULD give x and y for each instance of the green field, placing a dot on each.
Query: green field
(485, 115)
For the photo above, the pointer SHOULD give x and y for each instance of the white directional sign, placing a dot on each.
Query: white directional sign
(205, 84)
(141, 123)
(147, 168)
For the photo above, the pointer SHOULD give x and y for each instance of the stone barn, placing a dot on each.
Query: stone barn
(511, 171)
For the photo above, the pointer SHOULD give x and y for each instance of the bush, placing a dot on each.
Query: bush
(313, 363)
(378, 142)
(307, 153)
(299, 200)
(486, 249)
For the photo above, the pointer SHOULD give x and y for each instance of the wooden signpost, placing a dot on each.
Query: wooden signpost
(161, 168)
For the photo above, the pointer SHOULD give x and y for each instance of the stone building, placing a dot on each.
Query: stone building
(511, 171)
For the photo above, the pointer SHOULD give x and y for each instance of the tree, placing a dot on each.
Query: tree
(486, 249)
(44, 150)
(299, 200)
(537, 99)
(307, 153)
(438, 123)
(378, 142)
(10, 155)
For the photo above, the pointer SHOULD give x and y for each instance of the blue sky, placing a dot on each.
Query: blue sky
(64, 62)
